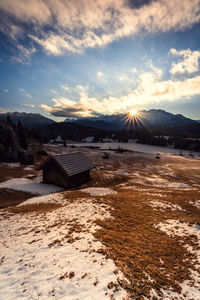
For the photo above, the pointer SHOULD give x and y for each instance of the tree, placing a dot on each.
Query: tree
(22, 135)
(9, 121)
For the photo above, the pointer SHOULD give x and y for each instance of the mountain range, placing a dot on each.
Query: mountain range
(154, 119)
(29, 120)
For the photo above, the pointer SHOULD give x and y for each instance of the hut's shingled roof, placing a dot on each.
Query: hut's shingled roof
(71, 163)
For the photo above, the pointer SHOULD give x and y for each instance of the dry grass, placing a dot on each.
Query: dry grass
(12, 198)
(7, 173)
(137, 247)
(29, 208)
(140, 250)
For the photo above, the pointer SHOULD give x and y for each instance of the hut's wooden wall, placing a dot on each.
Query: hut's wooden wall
(79, 179)
(53, 175)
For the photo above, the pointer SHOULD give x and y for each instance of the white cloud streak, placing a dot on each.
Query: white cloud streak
(29, 105)
(25, 93)
(23, 54)
(74, 26)
(65, 88)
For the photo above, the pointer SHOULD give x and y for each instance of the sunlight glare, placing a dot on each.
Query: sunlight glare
(133, 112)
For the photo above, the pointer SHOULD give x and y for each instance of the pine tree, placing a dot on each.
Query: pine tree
(22, 135)
(9, 121)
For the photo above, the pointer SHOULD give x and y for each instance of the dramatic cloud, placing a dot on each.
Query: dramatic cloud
(72, 26)
(67, 108)
(151, 89)
(189, 63)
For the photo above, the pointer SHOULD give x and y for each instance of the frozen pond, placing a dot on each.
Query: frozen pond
(137, 147)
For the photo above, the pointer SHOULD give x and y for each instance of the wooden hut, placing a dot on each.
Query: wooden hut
(66, 170)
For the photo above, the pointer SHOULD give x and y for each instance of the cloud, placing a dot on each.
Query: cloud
(99, 74)
(53, 91)
(82, 88)
(3, 110)
(25, 93)
(29, 105)
(67, 108)
(34, 11)
(151, 89)
(189, 63)
(134, 70)
(123, 77)
(73, 26)
(23, 54)
(6, 91)
(65, 88)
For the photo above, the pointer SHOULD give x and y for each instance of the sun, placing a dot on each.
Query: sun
(133, 112)
(133, 118)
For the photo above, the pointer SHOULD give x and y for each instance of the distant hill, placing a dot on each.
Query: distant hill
(73, 131)
(154, 119)
(29, 120)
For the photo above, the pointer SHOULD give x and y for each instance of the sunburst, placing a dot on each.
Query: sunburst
(133, 112)
(133, 118)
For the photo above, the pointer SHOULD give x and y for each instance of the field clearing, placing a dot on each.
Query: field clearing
(138, 217)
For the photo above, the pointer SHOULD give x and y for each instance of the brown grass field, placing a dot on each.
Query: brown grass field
(148, 257)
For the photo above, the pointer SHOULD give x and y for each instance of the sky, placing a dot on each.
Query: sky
(83, 58)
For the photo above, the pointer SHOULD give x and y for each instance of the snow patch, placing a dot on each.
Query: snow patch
(165, 205)
(196, 203)
(122, 172)
(189, 288)
(159, 182)
(12, 165)
(30, 186)
(96, 191)
(28, 168)
(56, 198)
(174, 227)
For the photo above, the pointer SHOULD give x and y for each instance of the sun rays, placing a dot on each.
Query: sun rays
(134, 119)
(133, 112)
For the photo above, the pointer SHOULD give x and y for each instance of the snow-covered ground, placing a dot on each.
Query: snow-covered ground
(144, 148)
(31, 186)
(153, 181)
(54, 255)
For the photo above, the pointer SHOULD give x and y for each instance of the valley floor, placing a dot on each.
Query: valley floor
(131, 232)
